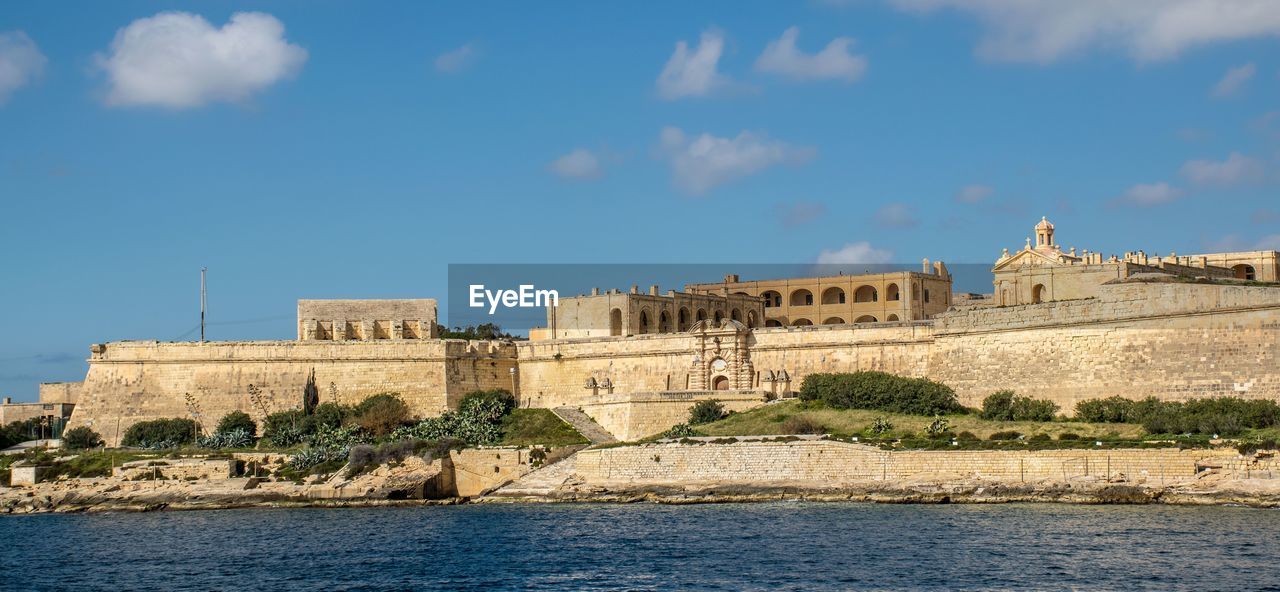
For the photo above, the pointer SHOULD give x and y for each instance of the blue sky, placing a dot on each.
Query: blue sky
(326, 149)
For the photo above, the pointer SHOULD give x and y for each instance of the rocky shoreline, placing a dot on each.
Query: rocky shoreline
(1260, 494)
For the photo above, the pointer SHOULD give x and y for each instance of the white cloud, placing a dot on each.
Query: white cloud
(1236, 169)
(20, 62)
(972, 194)
(693, 73)
(1149, 194)
(896, 215)
(1041, 31)
(1233, 81)
(579, 164)
(859, 252)
(456, 60)
(835, 61)
(178, 60)
(703, 162)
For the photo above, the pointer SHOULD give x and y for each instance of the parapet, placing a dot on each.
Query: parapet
(366, 320)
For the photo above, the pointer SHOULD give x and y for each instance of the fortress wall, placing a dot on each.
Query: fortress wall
(553, 373)
(134, 381)
(633, 416)
(1170, 341)
(834, 463)
(898, 348)
(60, 392)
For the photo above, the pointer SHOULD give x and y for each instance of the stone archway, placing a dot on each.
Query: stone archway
(720, 383)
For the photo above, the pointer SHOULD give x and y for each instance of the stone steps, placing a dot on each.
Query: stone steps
(540, 482)
(585, 425)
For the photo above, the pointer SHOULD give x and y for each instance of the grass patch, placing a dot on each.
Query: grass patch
(531, 427)
(770, 420)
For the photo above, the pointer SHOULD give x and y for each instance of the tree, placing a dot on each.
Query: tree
(81, 438)
(236, 420)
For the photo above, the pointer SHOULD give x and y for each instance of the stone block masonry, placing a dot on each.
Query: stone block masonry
(134, 381)
(835, 463)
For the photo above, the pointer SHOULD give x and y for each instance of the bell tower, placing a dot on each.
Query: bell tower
(1044, 235)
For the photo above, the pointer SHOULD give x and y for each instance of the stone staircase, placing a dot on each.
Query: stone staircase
(585, 425)
(541, 482)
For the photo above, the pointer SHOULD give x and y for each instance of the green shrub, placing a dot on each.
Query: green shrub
(236, 421)
(967, 436)
(161, 433)
(705, 412)
(1225, 416)
(802, 425)
(81, 438)
(998, 406)
(880, 426)
(1006, 435)
(478, 420)
(683, 430)
(880, 391)
(1039, 438)
(1108, 410)
(330, 415)
(1068, 436)
(381, 414)
(1008, 406)
(938, 427)
(16, 432)
(287, 428)
(235, 438)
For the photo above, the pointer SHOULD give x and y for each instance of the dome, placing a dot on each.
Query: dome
(1044, 224)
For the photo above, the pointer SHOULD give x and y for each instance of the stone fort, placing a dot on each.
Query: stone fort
(1063, 325)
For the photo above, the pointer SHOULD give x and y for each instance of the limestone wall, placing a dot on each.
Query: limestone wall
(60, 392)
(475, 471)
(133, 381)
(1171, 341)
(632, 416)
(834, 463)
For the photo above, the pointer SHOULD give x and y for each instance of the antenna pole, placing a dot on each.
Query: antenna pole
(203, 301)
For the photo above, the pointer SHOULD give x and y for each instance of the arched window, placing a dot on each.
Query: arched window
(615, 322)
(865, 319)
(1244, 272)
(772, 323)
(736, 315)
(664, 322)
(801, 297)
(865, 294)
(719, 316)
(682, 319)
(772, 299)
(833, 321)
(702, 314)
(801, 323)
(926, 294)
(1037, 294)
(833, 296)
(644, 321)
(752, 322)
(891, 293)
(892, 318)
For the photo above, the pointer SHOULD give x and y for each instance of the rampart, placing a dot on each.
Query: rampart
(135, 380)
(1172, 341)
(834, 463)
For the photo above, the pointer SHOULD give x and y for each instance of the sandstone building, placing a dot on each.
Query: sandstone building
(841, 299)
(615, 313)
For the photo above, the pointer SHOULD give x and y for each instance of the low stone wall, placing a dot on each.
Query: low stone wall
(830, 462)
(475, 471)
(631, 416)
(186, 469)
